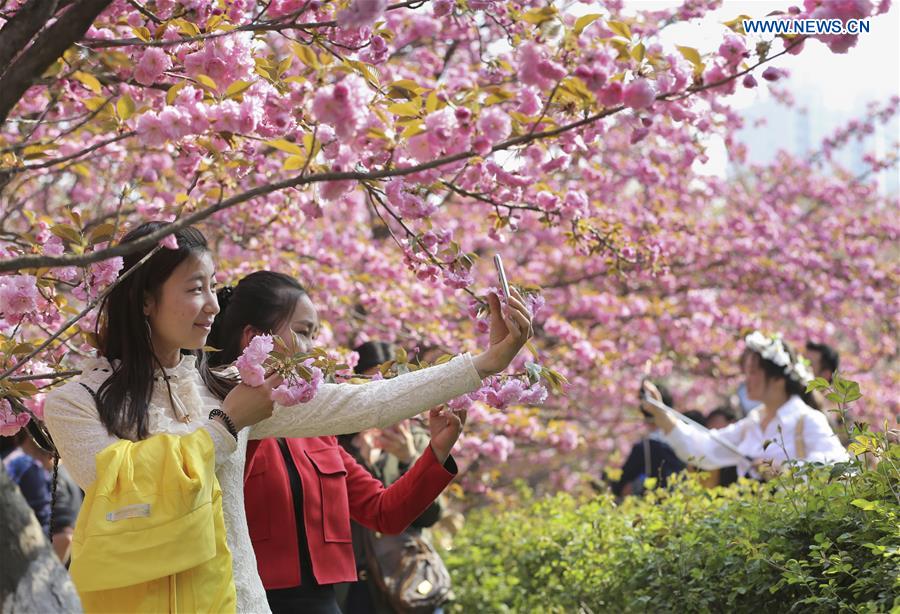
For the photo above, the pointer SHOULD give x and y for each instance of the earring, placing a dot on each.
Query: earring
(149, 330)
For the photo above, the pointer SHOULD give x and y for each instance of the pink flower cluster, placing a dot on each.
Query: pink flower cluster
(513, 392)
(18, 297)
(838, 9)
(250, 362)
(535, 68)
(11, 422)
(343, 106)
(101, 274)
(153, 63)
(224, 60)
(295, 390)
(411, 206)
(361, 13)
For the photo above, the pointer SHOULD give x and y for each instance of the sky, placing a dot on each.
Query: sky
(832, 88)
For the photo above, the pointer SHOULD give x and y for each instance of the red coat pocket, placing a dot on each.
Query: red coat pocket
(333, 481)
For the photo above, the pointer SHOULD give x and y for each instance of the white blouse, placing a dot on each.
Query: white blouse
(821, 444)
(72, 418)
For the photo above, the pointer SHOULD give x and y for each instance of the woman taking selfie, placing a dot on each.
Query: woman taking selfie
(783, 427)
(158, 441)
(300, 494)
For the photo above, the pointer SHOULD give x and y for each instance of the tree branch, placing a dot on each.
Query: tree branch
(27, 22)
(45, 50)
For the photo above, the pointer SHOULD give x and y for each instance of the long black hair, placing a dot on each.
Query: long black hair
(263, 300)
(792, 387)
(123, 331)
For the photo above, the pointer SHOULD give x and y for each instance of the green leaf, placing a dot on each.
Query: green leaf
(207, 82)
(294, 163)
(584, 21)
(286, 146)
(101, 233)
(864, 504)
(691, 55)
(737, 24)
(539, 16)
(405, 109)
(638, 52)
(817, 384)
(237, 88)
(67, 233)
(620, 27)
(125, 107)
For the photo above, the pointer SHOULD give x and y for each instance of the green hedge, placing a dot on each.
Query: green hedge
(818, 539)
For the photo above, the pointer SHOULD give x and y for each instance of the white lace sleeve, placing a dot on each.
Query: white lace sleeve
(72, 419)
(74, 423)
(350, 408)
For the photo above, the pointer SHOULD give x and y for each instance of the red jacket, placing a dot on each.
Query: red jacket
(335, 489)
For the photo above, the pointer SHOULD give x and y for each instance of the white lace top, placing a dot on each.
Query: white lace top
(72, 418)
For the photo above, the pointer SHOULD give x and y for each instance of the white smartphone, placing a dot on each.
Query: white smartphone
(501, 275)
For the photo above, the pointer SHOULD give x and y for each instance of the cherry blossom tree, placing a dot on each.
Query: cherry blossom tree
(382, 152)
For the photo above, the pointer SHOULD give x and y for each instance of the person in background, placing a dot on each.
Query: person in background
(651, 457)
(777, 378)
(719, 418)
(825, 362)
(32, 469)
(387, 454)
(825, 359)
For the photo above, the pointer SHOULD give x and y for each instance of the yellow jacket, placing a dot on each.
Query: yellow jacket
(151, 534)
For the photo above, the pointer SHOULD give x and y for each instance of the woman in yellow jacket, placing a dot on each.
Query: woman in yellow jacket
(151, 379)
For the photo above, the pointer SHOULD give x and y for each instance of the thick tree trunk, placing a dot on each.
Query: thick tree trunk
(31, 577)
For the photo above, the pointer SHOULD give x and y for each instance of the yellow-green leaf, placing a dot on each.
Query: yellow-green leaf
(125, 107)
(207, 82)
(405, 109)
(737, 24)
(101, 233)
(186, 27)
(619, 27)
(237, 88)
(311, 144)
(94, 103)
(306, 55)
(408, 84)
(286, 146)
(413, 129)
(294, 163)
(691, 55)
(89, 81)
(36, 151)
(584, 21)
(173, 92)
(638, 52)
(67, 233)
(284, 64)
(539, 16)
(431, 103)
(142, 33)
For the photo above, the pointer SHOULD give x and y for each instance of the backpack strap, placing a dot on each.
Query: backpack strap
(799, 442)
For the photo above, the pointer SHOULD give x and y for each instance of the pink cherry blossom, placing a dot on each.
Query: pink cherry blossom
(11, 422)
(639, 94)
(153, 63)
(494, 124)
(18, 296)
(361, 13)
(250, 362)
